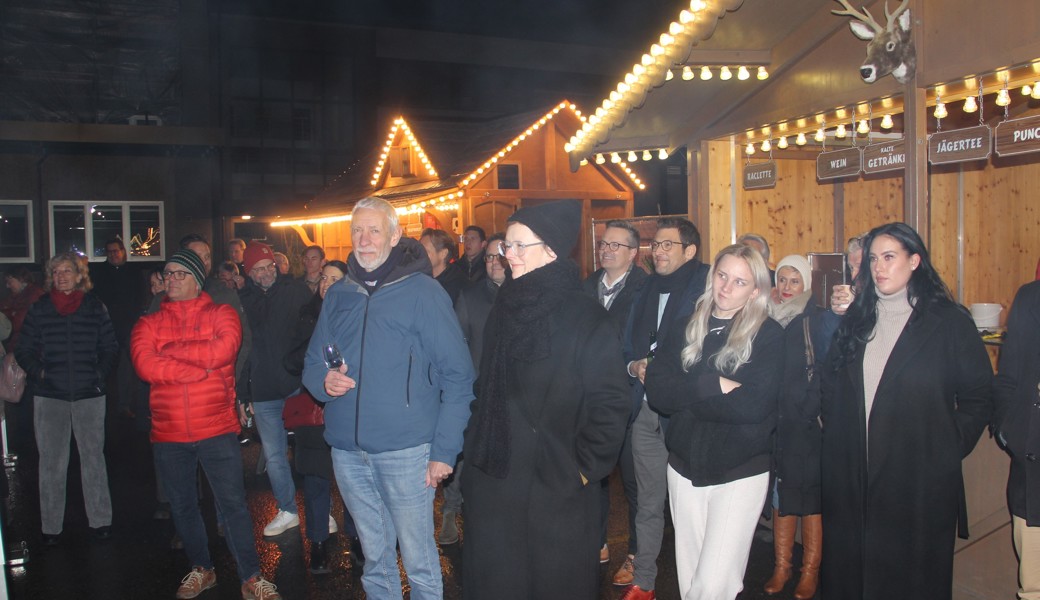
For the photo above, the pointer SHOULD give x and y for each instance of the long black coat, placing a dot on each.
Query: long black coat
(536, 533)
(891, 512)
(1016, 391)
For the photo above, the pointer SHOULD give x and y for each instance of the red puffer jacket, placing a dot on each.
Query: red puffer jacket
(187, 352)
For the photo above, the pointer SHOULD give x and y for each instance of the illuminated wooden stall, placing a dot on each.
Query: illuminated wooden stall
(800, 94)
(452, 175)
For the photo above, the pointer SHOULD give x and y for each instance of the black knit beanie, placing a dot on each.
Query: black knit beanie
(190, 261)
(556, 223)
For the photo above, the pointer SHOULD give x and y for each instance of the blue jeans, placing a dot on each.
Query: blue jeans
(386, 494)
(275, 443)
(221, 459)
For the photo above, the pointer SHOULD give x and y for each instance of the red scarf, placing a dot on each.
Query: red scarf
(66, 303)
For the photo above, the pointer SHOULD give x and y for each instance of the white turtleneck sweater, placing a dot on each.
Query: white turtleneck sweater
(893, 313)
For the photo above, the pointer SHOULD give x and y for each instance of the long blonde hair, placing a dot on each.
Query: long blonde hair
(745, 324)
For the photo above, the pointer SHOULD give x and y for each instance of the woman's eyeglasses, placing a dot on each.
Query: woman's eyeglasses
(518, 248)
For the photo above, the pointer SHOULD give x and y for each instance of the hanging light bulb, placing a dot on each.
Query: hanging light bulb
(766, 146)
(940, 109)
(819, 137)
(970, 105)
(800, 140)
(750, 149)
(886, 122)
(1027, 90)
(742, 73)
(668, 76)
(615, 158)
(762, 73)
(687, 73)
(1003, 97)
(600, 159)
(782, 144)
(840, 132)
(646, 155)
(632, 156)
(705, 73)
(725, 74)
(697, 5)
(662, 154)
(584, 162)
(1036, 91)
(864, 127)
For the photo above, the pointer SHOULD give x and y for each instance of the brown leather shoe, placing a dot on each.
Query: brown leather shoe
(812, 552)
(637, 593)
(196, 582)
(626, 573)
(783, 547)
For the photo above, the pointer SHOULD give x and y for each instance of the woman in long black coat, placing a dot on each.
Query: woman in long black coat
(905, 398)
(547, 425)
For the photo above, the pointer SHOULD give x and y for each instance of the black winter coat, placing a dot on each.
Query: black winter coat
(67, 357)
(472, 309)
(273, 319)
(313, 455)
(891, 502)
(796, 456)
(1016, 392)
(536, 533)
(622, 304)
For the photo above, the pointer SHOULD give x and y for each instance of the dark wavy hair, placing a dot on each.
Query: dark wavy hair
(924, 290)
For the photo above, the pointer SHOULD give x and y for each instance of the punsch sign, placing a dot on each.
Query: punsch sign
(960, 145)
(1018, 136)
(840, 163)
(760, 175)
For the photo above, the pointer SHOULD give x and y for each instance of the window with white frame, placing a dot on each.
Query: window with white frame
(84, 227)
(16, 232)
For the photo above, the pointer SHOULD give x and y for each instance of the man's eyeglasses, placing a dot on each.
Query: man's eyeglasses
(178, 275)
(612, 245)
(270, 267)
(490, 258)
(518, 248)
(666, 245)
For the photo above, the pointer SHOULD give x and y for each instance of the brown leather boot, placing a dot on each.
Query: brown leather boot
(783, 545)
(812, 546)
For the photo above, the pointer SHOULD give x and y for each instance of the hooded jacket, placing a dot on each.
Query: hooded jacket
(187, 352)
(403, 346)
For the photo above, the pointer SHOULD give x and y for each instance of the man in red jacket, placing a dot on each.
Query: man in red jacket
(187, 351)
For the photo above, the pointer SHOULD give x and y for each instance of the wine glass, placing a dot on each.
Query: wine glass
(333, 359)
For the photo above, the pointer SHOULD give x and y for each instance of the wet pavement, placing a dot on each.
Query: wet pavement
(137, 563)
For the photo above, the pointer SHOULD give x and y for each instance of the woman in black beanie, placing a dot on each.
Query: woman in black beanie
(548, 422)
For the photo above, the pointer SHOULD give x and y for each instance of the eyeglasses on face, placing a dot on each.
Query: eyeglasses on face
(178, 275)
(666, 245)
(490, 258)
(612, 245)
(518, 248)
(270, 267)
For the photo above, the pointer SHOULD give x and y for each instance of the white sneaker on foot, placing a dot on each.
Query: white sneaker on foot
(282, 521)
(333, 527)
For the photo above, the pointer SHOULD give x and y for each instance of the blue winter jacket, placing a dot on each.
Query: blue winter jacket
(404, 347)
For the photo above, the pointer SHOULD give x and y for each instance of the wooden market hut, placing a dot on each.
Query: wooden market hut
(450, 175)
(980, 217)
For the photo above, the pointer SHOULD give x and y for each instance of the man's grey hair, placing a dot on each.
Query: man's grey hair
(855, 243)
(633, 235)
(382, 205)
(754, 237)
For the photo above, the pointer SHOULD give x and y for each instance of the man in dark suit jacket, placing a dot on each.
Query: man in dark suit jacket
(614, 285)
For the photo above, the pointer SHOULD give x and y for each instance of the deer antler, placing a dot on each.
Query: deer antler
(892, 17)
(864, 16)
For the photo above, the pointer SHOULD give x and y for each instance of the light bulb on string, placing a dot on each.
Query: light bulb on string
(1003, 97)
(615, 158)
(725, 74)
(782, 144)
(705, 73)
(1027, 90)
(600, 159)
(632, 156)
(687, 73)
(819, 137)
(762, 73)
(886, 122)
(584, 162)
(647, 155)
(662, 154)
(1036, 91)
(840, 132)
(800, 140)
(970, 104)
(766, 146)
(750, 149)
(742, 73)
(864, 127)
(668, 76)
(940, 109)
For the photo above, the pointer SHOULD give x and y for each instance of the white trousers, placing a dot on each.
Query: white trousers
(1027, 546)
(714, 526)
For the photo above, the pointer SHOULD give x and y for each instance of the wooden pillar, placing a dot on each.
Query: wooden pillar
(915, 132)
(703, 200)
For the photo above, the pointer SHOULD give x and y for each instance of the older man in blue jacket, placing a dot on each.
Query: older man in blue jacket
(396, 408)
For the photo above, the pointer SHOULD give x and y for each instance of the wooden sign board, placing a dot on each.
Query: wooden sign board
(960, 145)
(1018, 136)
(887, 156)
(840, 163)
(760, 176)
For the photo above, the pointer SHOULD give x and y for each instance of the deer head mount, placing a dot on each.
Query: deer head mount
(891, 49)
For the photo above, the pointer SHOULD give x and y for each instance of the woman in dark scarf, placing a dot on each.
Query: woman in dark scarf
(548, 423)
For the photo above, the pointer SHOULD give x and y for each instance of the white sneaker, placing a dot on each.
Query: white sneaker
(282, 521)
(333, 527)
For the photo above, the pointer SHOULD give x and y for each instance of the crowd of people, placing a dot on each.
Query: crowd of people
(719, 391)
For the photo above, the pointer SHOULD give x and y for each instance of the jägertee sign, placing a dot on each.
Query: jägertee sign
(960, 145)
(840, 163)
(1018, 136)
(760, 176)
(887, 156)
